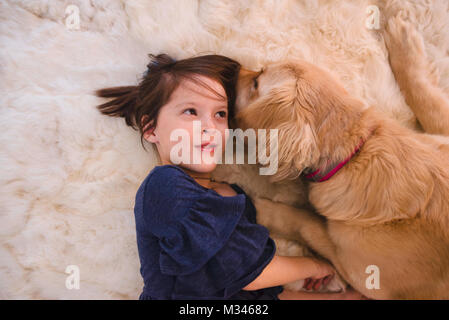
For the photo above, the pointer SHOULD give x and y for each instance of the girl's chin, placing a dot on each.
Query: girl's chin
(201, 167)
(202, 161)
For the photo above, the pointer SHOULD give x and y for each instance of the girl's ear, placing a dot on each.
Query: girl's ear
(148, 130)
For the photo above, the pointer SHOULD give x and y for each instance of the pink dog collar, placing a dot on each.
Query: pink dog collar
(325, 174)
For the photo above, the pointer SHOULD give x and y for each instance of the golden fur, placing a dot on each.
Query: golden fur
(389, 205)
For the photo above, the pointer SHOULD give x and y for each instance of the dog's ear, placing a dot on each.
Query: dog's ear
(334, 114)
(317, 119)
(296, 144)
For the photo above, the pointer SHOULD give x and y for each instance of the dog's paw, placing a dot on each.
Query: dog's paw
(403, 41)
(265, 209)
(337, 284)
(406, 51)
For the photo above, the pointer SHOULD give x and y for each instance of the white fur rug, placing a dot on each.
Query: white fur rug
(69, 175)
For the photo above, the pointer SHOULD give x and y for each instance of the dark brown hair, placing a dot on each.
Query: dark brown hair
(163, 76)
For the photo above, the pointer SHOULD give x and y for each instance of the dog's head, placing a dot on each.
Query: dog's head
(308, 106)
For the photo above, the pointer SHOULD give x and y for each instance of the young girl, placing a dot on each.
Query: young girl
(197, 238)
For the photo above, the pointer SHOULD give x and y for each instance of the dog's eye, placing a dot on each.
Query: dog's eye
(255, 83)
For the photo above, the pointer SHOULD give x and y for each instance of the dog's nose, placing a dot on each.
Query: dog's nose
(246, 74)
(245, 81)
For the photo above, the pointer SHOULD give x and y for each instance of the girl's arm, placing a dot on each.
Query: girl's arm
(282, 270)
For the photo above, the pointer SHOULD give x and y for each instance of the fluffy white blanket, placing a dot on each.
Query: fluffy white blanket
(69, 175)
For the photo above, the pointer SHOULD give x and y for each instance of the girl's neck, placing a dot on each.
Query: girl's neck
(197, 175)
(202, 178)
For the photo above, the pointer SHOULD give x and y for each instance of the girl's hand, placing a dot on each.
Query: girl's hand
(323, 269)
(323, 274)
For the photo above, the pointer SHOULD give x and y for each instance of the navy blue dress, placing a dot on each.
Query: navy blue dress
(197, 244)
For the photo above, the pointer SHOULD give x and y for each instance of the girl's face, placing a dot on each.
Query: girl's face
(190, 102)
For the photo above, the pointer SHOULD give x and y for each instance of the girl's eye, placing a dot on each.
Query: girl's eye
(222, 114)
(190, 109)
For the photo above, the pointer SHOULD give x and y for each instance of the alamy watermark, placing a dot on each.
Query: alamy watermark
(72, 21)
(373, 281)
(212, 153)
(373, 20)
(73, 280)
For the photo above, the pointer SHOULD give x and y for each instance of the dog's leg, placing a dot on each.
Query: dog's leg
(296, 224)
(416, 76)
(302, 226)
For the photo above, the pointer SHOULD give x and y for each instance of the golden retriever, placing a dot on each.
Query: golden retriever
(383, 218)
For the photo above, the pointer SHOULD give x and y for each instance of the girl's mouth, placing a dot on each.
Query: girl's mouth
(207, 146)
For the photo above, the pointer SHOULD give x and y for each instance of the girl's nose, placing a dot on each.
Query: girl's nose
(208, 124)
